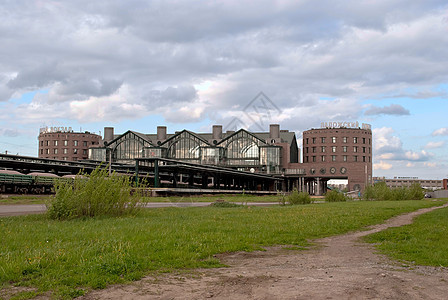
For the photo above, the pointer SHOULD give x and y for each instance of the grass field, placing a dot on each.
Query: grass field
(41, 199)
(213, 198)
(425, 242)
(66, 258)
(23, 199)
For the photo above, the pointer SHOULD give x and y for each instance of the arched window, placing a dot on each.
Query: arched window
(128, 147)
(184, 146)
(243, 149)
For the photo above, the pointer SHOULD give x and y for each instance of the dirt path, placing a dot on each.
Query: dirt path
(342, 267)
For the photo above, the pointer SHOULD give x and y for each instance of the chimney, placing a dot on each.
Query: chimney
(274, 131)
(217, 132)
(161, 133)
(108, 134)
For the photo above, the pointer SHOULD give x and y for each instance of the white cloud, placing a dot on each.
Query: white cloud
(441, 131)
(382, 166)
(430, 164)
(433, 145)
(417, 156)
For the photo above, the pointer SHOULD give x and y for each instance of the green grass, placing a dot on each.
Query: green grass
(23, 199)
(66, 258)
(213, 198)
(424, 242)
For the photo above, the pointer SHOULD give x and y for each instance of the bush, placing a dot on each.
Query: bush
(335, 196)
(298, 198)
(380, 191)
(416, 192)
(94, 194)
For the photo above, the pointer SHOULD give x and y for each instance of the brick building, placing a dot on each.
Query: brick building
(64, 144)
(337, 153)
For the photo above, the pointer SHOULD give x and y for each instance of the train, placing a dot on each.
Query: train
(15, 182)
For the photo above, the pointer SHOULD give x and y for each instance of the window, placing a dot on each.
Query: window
(364, 159)
(363, 140)
(333, 149)
(306, 159)
(47, 151)
(41, 151)
(355, 140)
(47, 143)
(64, 158)
(65, 150)
(355, 149)
(323, 148)
(55, 151)
(306, 150)
(322, 139)
(307, 140)
(333, 140)
(84, 152)
(344, 157)
(84, 144)
(75, 143)
(344, 140)
(344, 148)
(42, 143)
(369, 141)
(55, 143)
(314, 149)
(75, 151)
(65, 143)
(363, 149)
(333, 158)
(322, 158)
(314, 158)
(314, 140)
(355, 158)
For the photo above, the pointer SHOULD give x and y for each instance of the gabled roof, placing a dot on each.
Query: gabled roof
(140, 135)
(238, 132)
(188, 132)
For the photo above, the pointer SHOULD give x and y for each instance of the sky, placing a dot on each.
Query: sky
(135, 65)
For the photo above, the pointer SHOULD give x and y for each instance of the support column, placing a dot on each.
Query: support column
(156, 174)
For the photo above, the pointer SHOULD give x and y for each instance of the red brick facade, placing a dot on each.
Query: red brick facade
(67, 145)
(339, 153)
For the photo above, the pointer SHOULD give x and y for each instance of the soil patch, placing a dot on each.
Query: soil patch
(338, 267)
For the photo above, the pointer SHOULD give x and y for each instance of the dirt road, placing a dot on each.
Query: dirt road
(339, 267)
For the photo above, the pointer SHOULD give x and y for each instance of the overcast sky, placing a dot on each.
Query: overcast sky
(191, 64)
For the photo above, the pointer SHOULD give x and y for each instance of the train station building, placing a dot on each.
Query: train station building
(334, 151)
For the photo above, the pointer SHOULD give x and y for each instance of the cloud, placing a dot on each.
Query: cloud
(382, 166)
(387, 146)
(393, 109)
(430, 164)
(9, 132)
(293, 51)
(417, 156)
(433, 145)
(440, 131)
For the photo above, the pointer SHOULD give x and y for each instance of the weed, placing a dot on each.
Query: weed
(335, 196)
(298, 198)
(92, 195)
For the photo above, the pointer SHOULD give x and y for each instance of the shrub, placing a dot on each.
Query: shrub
(369, 193)
(298, 198)
(92, 195)
(380, 191)
(225, 204)
(335, 196)
(416, 192)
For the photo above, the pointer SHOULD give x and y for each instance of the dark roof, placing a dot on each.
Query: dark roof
(285, 136)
